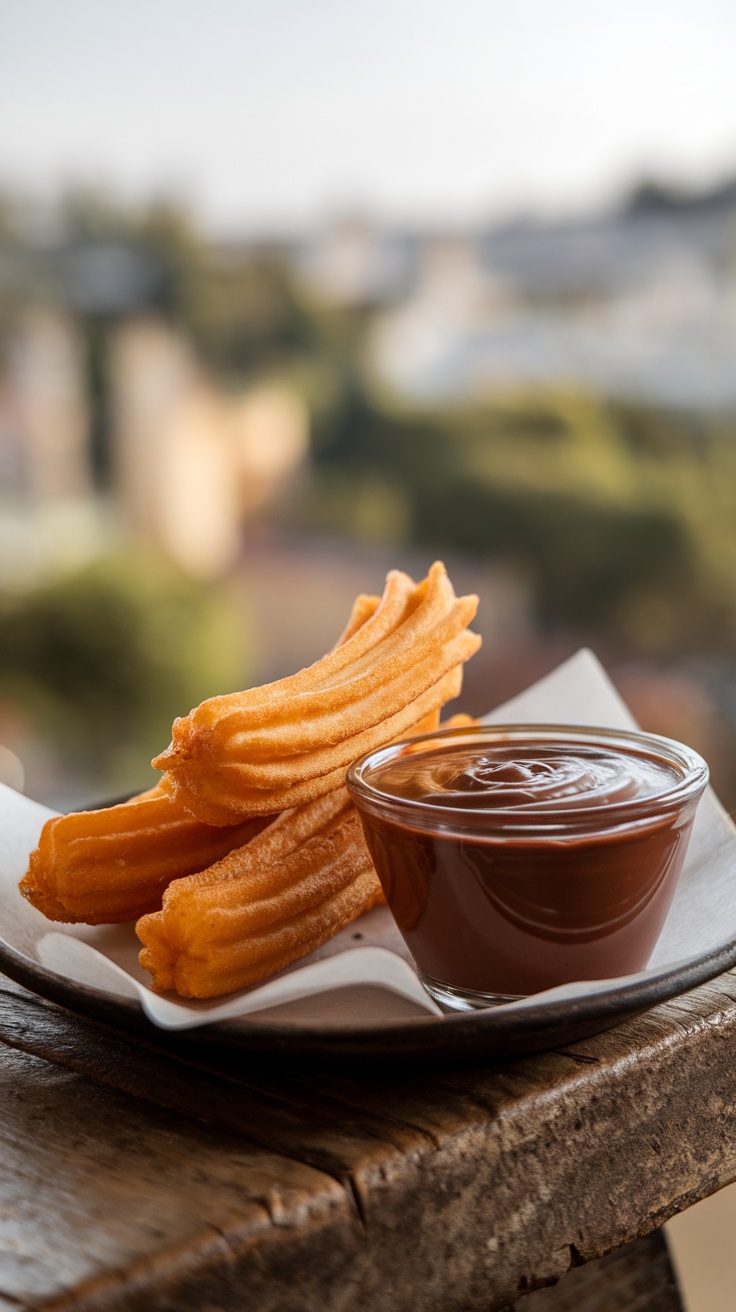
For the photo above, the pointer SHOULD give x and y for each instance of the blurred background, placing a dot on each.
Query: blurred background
(292, 293)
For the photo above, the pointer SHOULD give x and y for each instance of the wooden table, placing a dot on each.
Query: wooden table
(134, 1177)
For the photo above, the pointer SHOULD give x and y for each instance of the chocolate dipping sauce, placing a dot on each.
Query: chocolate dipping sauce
(514, 860)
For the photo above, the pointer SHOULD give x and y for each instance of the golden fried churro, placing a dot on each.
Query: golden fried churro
(281, 745)
(111, 865)
(101, 867)
(260, 908)
(228, 892)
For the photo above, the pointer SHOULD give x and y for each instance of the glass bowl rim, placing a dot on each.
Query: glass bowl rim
(548, 821)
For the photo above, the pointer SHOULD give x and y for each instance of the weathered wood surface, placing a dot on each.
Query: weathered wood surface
(133, 1178)
(636, 1278)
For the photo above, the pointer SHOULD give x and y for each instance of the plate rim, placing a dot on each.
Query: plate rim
(492, 1033)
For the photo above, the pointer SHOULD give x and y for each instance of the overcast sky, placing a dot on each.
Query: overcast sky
(282, 111)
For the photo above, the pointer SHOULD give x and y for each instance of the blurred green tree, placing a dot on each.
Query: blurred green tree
(102, 660)
(622, 518)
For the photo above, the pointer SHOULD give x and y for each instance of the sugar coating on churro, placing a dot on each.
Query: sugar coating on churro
(285, 743)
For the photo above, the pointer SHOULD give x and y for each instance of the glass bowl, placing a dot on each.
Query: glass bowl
(515, 858)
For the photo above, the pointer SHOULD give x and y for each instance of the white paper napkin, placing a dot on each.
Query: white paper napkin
(364, 976)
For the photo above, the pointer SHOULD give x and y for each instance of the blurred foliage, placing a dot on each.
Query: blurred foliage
(623, 519)
(102, 660)
(242, 314)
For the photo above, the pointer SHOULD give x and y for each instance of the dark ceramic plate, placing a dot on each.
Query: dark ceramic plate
(703, 917)
(492, 1034)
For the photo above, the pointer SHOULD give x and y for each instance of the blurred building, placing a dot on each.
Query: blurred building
(421, 343)
(192, 461)
(49, 520)
(356, 261)
(269, 427)
(44, 421)
(635, 303)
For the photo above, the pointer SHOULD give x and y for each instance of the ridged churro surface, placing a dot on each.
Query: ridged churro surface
(101, 867)
(249, 854)
(263, 906)
(283, 744)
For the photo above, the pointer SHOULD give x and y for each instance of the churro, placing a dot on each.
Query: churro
(286, 743)
(249, 854)
(264, 906)
(111, 865)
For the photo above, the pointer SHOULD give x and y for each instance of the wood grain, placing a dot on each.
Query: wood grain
(636, 1278)
(134, 1176)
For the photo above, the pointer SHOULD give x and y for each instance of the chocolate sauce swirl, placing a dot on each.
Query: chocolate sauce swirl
(512, 777)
